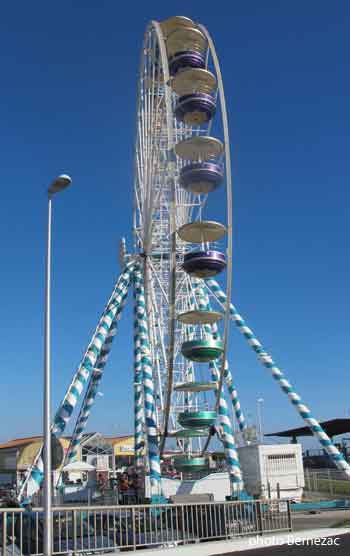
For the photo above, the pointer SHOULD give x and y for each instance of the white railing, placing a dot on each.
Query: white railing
(96, 529)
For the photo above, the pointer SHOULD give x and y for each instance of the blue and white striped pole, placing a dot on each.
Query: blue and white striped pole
(139, 417)
(84, 414)
(231, 387)
(148, 388)
(227, 435)
(279, 376)
(87, 365)
(139, 413)
(235, 400)
(34, 476)
(93, 386)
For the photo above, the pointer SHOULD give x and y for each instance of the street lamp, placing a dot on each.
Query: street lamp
(60, 183)
(259, 403)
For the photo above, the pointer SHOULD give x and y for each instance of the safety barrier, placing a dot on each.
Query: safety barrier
(79, 529)
(327, 481)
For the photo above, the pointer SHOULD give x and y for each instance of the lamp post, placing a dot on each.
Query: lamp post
(60, 183)
(259, 403)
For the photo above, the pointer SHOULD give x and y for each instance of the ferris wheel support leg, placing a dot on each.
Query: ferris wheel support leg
(226, 432)
(89, 360)
(230, 386)
(235, 399)
(139, 414)
(139, 423)
(34, 476)
(93, 386)
(228, 439)
(148, 388)
(284, 384)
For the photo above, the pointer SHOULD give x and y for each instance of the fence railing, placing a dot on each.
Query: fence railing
(108, 528)
(327, 481)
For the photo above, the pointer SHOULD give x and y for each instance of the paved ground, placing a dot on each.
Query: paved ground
(291, 544)
(331, 518)
(332, 546)
(325, 525)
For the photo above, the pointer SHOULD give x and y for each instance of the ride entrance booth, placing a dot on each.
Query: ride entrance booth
(77, 478)
(273, 471)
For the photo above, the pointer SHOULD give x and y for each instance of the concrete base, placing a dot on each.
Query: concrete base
(217, 484)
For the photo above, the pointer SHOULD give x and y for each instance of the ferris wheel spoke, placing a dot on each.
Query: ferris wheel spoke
(156, 277)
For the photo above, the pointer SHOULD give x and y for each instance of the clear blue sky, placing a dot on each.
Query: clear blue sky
(68, 86)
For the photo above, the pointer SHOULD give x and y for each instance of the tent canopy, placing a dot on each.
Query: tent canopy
(79, 466)
(332, 428)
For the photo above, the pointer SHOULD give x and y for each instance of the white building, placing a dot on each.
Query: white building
(273, 470)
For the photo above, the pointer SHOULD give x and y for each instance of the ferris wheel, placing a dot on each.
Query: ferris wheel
(180, 162)
(180, 270)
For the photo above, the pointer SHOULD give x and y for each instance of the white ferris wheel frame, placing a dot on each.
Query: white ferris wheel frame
(156, 171)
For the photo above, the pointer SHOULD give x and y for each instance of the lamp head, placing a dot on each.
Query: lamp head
(61, 182)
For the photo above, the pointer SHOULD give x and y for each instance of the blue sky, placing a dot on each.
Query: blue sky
(68, 87)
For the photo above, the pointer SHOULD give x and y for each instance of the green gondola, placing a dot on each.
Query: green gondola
(202, 351)
(189, 465)
(197, 419)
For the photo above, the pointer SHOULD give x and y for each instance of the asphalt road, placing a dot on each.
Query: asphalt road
(331, 518)
(342, 548)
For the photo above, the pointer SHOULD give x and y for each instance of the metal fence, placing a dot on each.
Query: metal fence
(109, 528)
(327, 481)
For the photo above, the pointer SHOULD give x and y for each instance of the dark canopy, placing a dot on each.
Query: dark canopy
(332, 428)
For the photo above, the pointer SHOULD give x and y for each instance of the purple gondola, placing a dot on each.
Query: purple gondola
(204, 264)
(195, 109)
(201, 177)
(186, 59)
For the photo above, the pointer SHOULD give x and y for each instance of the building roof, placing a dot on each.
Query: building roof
(18, 442)
(332, 428)
(117, 439)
